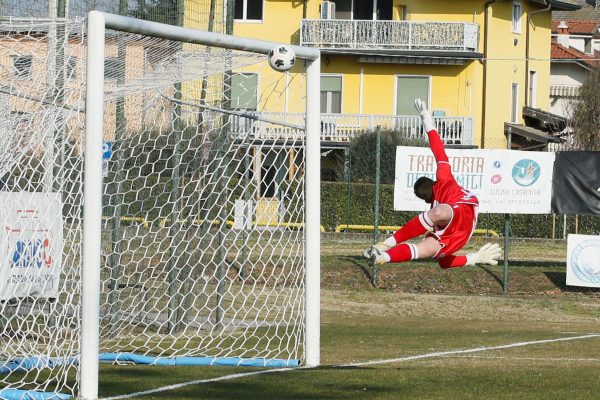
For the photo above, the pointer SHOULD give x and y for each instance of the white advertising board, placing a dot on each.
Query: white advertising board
(583, 260)
(504, 181)
(31, 244)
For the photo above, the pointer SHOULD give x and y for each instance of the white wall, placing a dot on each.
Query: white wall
(562, 106)
(567, 74)
(577, 43)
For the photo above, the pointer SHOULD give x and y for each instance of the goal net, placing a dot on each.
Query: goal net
(193, 163)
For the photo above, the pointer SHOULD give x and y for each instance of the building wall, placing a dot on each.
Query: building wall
(568, 74)
(506, 64)
(571, 76)
(458, 90)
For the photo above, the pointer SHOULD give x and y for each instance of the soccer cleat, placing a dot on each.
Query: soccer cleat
(381, 246)
(488, 254)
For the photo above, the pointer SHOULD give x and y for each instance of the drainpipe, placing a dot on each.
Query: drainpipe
(304, 9)
(548, 7)
(485, 54)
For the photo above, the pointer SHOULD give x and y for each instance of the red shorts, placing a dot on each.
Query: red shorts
(458, 231)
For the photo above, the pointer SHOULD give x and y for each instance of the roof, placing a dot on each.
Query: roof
(566, 5)
(559, 52)
(588, 11)
(577, 27)
(557, 4)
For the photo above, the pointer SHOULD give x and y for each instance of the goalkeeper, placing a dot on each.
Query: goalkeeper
(447, 226)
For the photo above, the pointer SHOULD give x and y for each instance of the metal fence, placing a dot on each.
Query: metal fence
(399, 35)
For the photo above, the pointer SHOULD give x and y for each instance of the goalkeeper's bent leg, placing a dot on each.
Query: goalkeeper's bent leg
(415, 227)
(403, 252)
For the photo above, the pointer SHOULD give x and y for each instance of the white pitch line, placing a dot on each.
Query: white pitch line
(198, 382)
(376, 362)
(475, 350)
(553, 359)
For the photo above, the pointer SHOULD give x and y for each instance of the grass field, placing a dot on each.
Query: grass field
(422, 333)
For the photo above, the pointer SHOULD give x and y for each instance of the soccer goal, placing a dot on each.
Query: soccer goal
(160, 202)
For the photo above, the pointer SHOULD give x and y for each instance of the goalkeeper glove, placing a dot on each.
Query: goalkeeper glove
(425, 116)
(368, 253)
(488, 254)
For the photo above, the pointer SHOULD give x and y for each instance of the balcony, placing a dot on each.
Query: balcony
(340, 128)
(365, 35)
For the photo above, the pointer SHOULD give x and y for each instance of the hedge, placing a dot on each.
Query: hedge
(343, 203)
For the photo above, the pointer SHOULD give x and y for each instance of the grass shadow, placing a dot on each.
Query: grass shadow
(362, 264)
(559, 279)
(493, 275)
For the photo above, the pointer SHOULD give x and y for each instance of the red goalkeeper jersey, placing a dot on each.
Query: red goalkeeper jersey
(446, 190)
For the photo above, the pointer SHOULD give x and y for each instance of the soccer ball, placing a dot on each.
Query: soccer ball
(282, 57)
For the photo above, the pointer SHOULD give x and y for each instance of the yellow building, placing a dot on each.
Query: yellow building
(478, 64)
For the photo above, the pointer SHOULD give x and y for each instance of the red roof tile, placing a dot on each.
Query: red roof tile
(562, 53)
(577, 26)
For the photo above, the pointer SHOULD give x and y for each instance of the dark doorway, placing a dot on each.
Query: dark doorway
(363, 9)
(384, 10)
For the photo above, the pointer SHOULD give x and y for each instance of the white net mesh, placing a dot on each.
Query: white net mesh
(203, 205)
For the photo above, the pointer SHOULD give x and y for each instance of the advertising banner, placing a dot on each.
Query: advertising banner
(504, 181)
(31, 245)
(583, 260)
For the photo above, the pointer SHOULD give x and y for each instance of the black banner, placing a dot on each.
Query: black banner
(576, 183)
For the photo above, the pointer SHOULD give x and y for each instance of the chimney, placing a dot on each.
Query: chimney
(563, 34)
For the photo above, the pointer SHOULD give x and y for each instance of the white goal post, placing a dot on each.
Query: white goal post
(161, 202)
(97, 24)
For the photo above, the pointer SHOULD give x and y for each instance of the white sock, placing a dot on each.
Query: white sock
(390, 242)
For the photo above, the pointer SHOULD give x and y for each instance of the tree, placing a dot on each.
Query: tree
(163, 11)
(585, 119)
(363, 154)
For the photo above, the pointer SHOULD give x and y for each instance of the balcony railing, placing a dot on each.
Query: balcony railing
(389, 35)
(344, 127)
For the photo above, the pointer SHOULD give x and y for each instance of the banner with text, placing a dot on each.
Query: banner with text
(504, 181)
(583, 260)
(31, 242)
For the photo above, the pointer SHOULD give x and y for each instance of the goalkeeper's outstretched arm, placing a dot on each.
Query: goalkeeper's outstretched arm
(435, 142)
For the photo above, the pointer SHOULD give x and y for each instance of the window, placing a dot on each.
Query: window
(532, 97)
(514, 109)
(249, 10)
(331, 94)
(21, 66)
(587, 45)
(409, 88)
(516, 17)
(244, 91)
